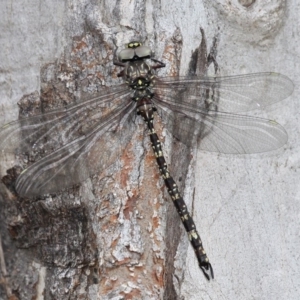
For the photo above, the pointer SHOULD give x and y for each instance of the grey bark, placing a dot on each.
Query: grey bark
(117, 236)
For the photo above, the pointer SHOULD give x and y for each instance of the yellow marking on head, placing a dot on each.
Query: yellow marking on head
(134, 44)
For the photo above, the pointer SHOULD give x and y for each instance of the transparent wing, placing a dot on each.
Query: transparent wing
(194, 110)
(224, 132)
(76, 141)
(50, 131)
(232, 94)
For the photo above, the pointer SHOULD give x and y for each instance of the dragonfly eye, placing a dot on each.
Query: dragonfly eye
(143, 52)
(135, 51)
(126, 54)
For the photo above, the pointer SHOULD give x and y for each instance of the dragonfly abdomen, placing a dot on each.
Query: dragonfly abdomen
(146, 110)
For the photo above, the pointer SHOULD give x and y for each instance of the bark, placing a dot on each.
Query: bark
(117, 235)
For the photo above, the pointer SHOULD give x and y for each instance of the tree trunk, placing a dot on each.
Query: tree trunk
(117, 234)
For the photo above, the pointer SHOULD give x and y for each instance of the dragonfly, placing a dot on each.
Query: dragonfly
(196, 110)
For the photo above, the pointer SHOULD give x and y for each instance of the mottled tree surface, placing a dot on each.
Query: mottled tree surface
(117, 235)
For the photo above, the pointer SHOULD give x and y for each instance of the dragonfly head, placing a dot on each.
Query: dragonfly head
(134, 51)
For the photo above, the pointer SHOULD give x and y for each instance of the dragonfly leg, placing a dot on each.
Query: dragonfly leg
(117, 63)
(159, 65)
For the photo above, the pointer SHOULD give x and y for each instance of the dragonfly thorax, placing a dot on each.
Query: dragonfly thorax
(142, 90)
(135, 70)
(139, 76)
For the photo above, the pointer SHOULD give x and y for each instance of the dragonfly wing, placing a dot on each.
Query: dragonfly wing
(80, 158)
(223, 132)
(62, 141)
(233, 94)
(54, 129)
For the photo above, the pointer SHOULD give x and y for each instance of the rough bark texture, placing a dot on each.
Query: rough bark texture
(117, 236)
